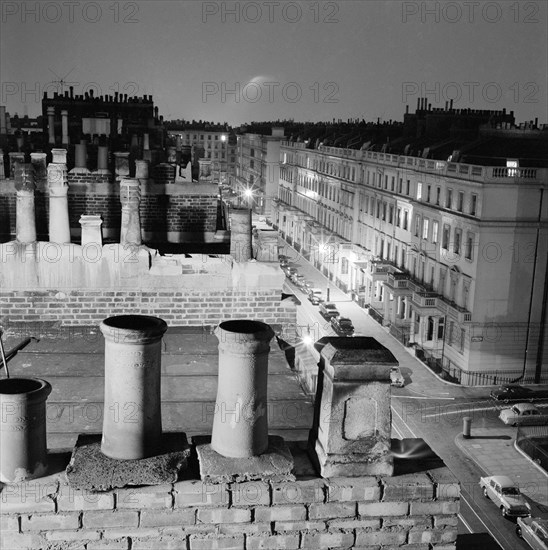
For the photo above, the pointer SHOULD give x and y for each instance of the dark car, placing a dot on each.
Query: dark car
(513, 392)
(342, 326)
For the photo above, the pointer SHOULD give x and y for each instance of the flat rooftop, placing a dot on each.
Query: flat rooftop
(71, 359)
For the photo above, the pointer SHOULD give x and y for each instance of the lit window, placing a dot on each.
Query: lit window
(425, 224)
(435, 232)
(419, 191)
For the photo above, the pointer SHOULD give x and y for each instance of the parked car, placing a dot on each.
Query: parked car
(297, 279)
(534, 531)
(314, 299)
(342, 326)
(396, 377)
(328, 310)
(289, 271)
(523, 414)
(514, 392)
(505, 494)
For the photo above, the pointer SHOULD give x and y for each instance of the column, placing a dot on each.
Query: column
(38, 161)
(91, 229)
(25, 223)
(102, 160)
(121, 165)
(64, 127)
(130, 197)
(351, 430)
(147, 153)
(59, 224)
(240, 234)
(51, 125)
(132, 386)
(205, 170)
(80, 160)
(141, 170)
(240, 422)
(15, 158)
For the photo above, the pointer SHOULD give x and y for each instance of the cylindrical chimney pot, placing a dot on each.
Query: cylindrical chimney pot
(132, 424)
(240, 422)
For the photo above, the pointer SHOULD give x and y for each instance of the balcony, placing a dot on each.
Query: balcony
(399, 282)
(460, 314)
(428, 303)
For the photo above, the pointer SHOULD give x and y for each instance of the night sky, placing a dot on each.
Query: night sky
(307, 60)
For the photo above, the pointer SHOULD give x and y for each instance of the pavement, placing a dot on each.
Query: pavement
(494, 451)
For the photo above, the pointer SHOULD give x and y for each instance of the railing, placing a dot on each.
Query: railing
(425, 299)
(532, 441)
(402, 333)
(377, 315)
(527, 173)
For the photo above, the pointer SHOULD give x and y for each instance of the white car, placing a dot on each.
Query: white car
(505, 494)
(396, 377)
(522, 414)
(534, 531)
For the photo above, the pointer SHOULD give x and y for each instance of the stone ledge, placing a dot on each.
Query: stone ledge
(89, 469)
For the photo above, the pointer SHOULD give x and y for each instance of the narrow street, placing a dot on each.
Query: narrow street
(430, 409)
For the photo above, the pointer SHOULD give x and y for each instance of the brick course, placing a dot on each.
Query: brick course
(203, 516)
(87, 307)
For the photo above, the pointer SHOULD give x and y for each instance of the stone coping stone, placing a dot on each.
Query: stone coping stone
(89, 469)
(275, 464)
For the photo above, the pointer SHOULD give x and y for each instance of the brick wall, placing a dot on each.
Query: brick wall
(185, 208)
(415, 511)
(177, 308)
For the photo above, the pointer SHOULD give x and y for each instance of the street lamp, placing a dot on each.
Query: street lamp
(248, 194)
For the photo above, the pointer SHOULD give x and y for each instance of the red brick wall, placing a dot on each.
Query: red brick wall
(416, 511)
(183, 308)
(162, 209)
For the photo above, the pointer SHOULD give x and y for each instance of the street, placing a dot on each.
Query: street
(433, 410)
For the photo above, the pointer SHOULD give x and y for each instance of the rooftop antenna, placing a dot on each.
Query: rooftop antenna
(61, 82)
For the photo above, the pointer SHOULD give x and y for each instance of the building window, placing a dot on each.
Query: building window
(425, 223)
(469, 250)
(419, 191)
(393, 184)
(441, 327)
(417, 225)
(457, 243)
(383, 211)
(378, 209)
(473, 204)
(428, 189)
(408, 192)
(449, 198)
(391, 215)
(367, 177)
(400, 187)
(438, 195)
(386, 182)
(398, 217)
(435, 232)
(405, 219)
(445, 236)
(460, 204)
